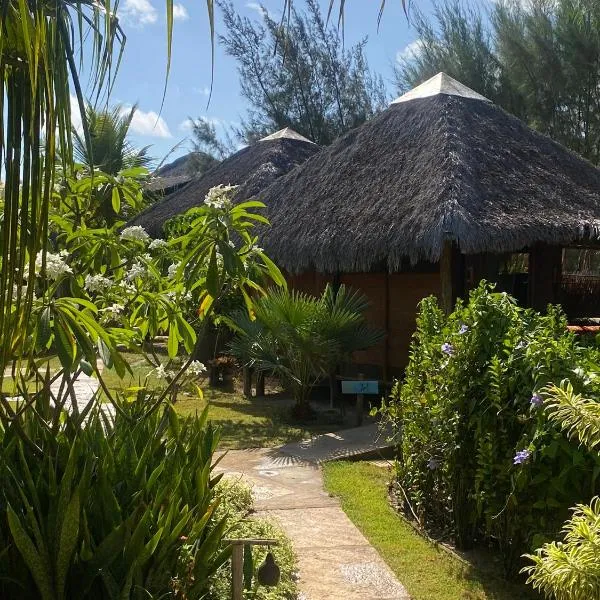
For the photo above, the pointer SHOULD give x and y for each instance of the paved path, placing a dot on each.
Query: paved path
(84, 387)
(335, 559)
(366, 441)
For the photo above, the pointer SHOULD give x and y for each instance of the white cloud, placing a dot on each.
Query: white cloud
(185, 125)
(203, 91)
(255, 6)
(410, 52)
(148, 123)
(180, 12)
(75, 114)
(138, 13)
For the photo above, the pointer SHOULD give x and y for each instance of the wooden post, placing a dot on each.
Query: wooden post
(237, 563)
(386, 362)
(247, 376)
(545, 273)
(237, 572)
(360, 405)
(452, 277)
(260, 384)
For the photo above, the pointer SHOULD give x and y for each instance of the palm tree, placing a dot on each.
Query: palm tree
(109, 149)
(301, 338)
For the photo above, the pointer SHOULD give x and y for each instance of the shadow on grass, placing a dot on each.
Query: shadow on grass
(251, 423)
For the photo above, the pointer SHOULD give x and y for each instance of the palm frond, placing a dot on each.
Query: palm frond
(577, 416)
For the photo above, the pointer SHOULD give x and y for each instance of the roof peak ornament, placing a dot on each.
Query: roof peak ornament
(441, 84)
(288, 133)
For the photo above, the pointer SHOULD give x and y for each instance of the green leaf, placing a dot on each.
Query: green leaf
(67, 543)
(212, 275)
(33, 559)
(116, 200)
(173, 342)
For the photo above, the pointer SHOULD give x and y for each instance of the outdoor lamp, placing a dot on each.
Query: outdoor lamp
(269, 573)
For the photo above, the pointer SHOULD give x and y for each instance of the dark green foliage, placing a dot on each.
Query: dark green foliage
(108, 511)
(302, 338)
(299, 75)
(539, 60)
(470, 403)
(237, 503)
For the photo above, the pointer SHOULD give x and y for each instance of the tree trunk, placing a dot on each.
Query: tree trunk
(247, 375)
(260, 384)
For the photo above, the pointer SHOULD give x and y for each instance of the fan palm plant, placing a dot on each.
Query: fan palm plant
(109, 149)
(301, 338)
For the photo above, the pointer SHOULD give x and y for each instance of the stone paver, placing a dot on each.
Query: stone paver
(335, 559)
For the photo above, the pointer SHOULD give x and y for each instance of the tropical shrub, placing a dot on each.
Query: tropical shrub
(570, 570)
(95, 506)
(237, 504)
(104, 511)
(479, 458)
(300, 337)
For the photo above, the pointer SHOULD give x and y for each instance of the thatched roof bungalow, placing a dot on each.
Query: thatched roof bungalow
(428, 197)
(253, 168)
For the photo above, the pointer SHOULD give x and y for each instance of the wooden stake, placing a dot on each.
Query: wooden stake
(360, 405)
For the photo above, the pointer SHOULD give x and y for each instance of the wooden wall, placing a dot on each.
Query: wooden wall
(399, 293)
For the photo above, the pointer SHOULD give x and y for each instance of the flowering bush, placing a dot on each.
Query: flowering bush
(479, 458)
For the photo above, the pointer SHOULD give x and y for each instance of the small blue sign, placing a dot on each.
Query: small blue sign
(360, 387)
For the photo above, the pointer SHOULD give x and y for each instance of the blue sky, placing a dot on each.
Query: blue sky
(142, 73)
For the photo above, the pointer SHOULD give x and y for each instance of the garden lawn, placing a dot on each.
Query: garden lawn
(427, 572)
(244, 422)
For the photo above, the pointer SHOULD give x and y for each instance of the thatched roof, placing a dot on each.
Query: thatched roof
(253, 168)
(177, 173)
(441, 163)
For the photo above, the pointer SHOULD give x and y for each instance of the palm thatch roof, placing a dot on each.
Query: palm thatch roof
(177, 173)
(441, 163)
(253, 168)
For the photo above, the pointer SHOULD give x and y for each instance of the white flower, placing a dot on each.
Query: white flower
(127, 287)
(162, 373)
(137, 270)
(133, 233)
(114, 310)
(158, 243)
(196, 368)
(55, 264)
(172, 271)
(218, 196)
(256, 249)
(96, 283)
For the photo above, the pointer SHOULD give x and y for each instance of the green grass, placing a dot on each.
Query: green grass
(428, 572)
(244, 422)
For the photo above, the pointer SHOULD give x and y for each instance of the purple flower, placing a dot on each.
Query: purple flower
(448, 348)
(521, 457)
(536, 400)
(463, 329)
(433, 464)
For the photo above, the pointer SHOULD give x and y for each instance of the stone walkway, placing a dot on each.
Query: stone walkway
(84, 388)
(335, 559)
(367, 441)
